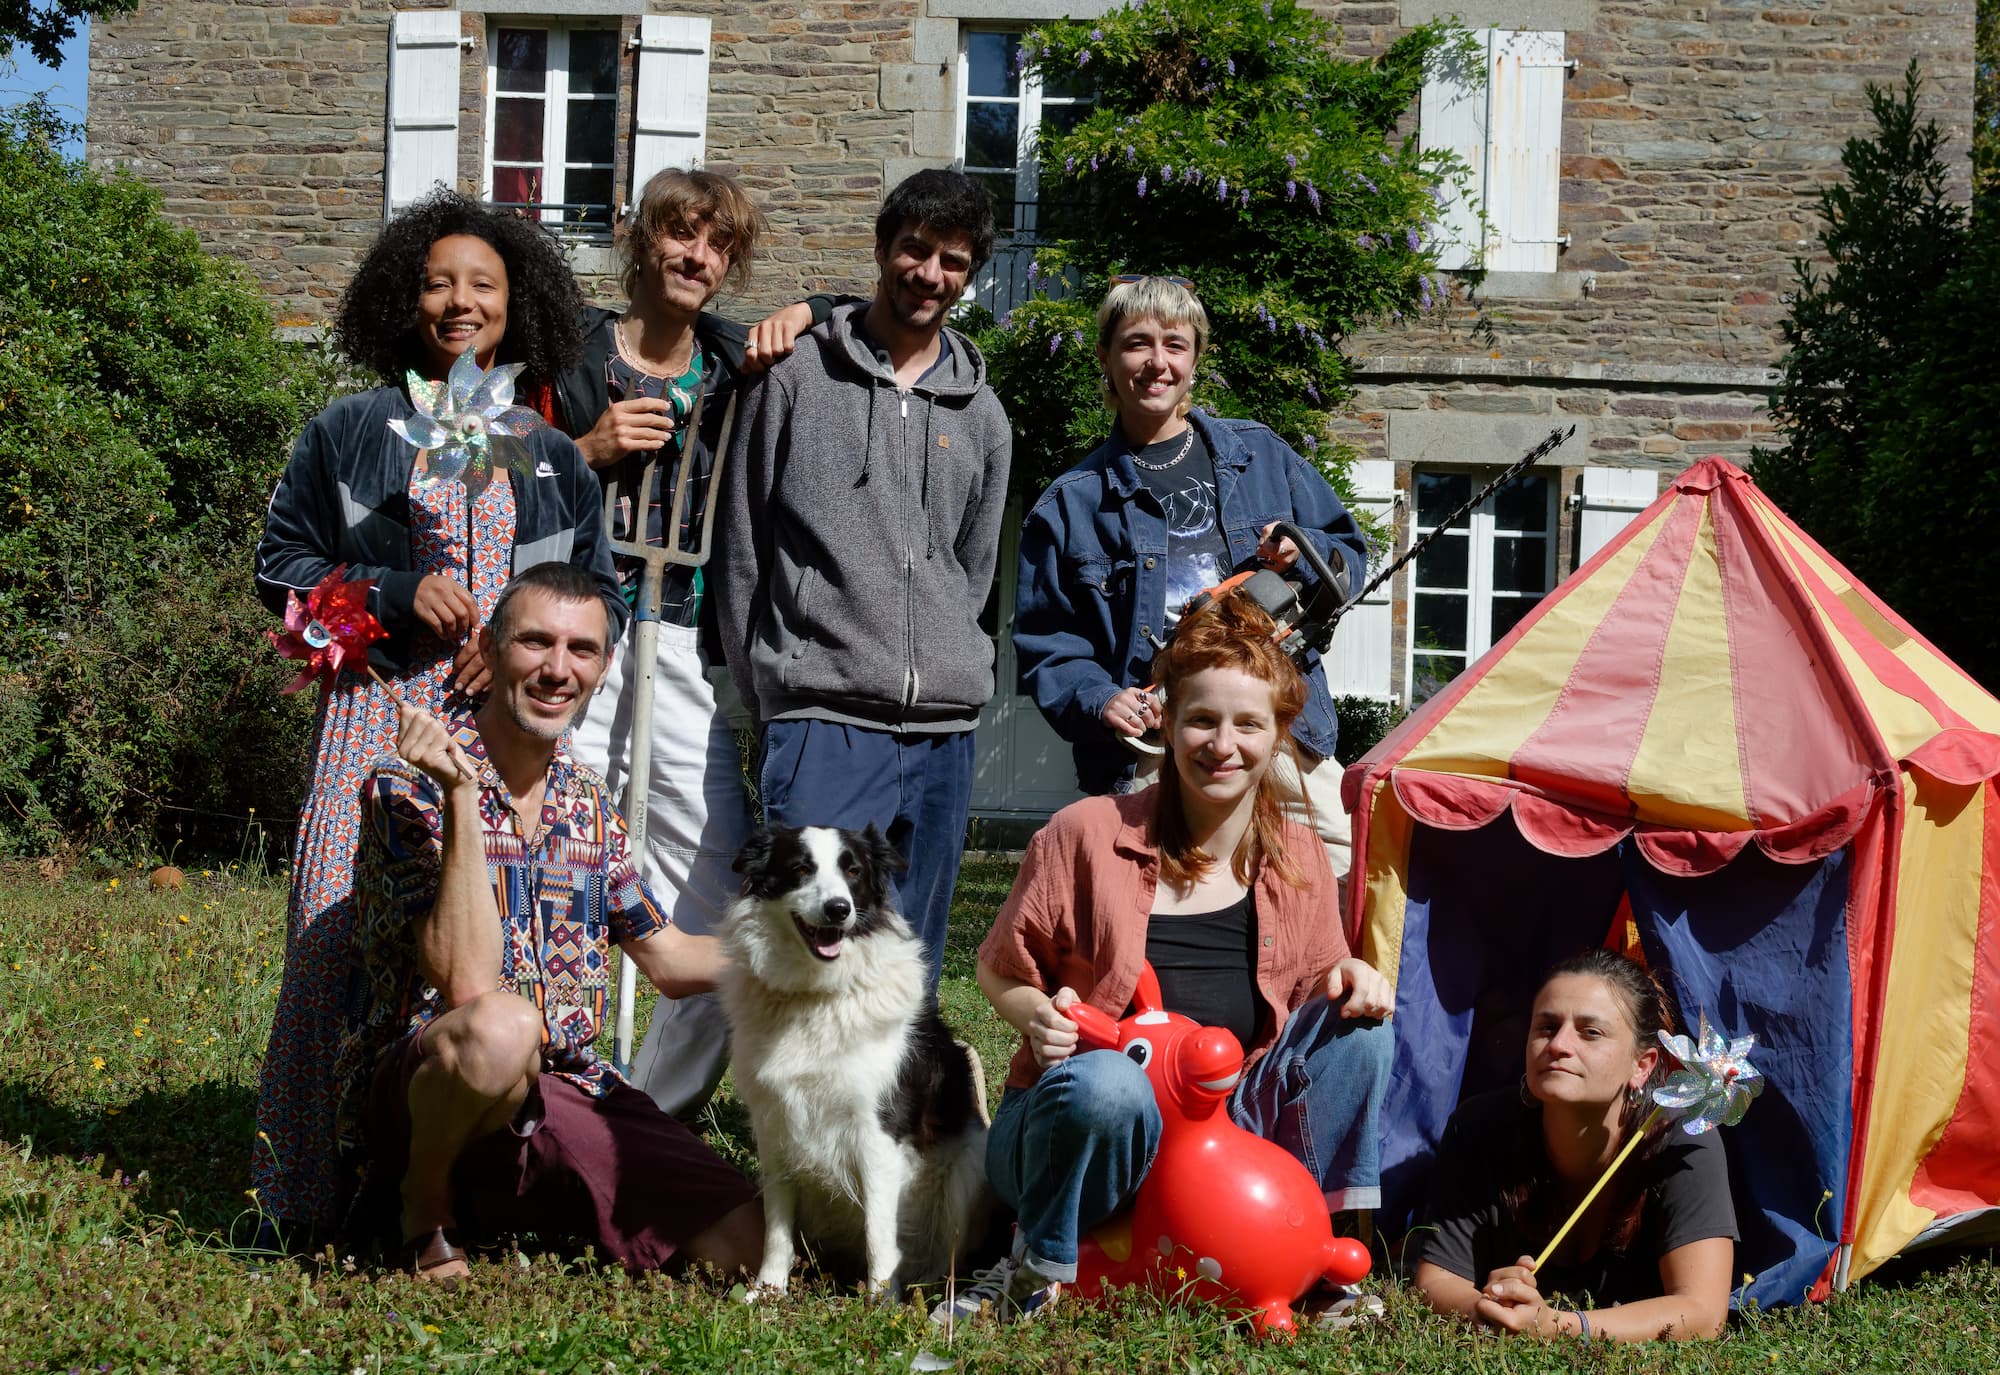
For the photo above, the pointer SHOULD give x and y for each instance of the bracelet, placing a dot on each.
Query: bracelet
(1583, 1323)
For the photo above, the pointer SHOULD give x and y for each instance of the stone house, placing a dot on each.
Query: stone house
(1644, 177)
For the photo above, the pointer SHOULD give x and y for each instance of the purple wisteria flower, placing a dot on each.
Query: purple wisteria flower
(1291, 190)
(1093, 164)
(1292, 161)
(1166, 171)
(1069, 163)
(1423, 293)
(1312, 194)
(1373, 189)
(1313, 392)
(1131, 153)
(1413, 239)
(1319, 341)
(1243, 198)
(1034, 271)
(1083, 58)
(1142, 188)
(1097, 35)
(1367, 241)
(1312, 444)
(1386, 162)
(1222, 188)
(1055, 344)
(1077, 335)
(1231, 64)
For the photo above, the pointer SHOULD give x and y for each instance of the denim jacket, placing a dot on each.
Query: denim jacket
(1094, 580)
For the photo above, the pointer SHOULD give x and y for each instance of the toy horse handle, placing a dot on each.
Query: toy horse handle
(1098, 1030)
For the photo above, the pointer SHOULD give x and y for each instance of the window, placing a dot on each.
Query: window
(1482, 575)
(1501, 113)
(552, 107)
(1004, 109)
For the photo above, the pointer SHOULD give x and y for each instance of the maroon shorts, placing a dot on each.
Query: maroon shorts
(614, 1172)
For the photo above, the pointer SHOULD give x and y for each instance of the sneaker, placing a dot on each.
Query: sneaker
(1349, 1306)
(1009, 1289)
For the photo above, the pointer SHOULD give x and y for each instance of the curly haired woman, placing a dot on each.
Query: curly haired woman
(446, 277)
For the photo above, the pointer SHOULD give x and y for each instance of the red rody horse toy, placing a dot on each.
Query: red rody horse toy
(1222, 1214)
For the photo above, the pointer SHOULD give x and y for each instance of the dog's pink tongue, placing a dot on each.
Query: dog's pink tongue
(825, 942)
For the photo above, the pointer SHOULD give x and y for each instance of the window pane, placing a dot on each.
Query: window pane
(992, 135)
(1523, 504)
(1438, 494)
(1001, 184)
(990, 62)
(1440, 621)
(1430, 672)
(1520, 563)
(1075, 85)
(522, 59)
(589, 137)
(593, 62)
(591, 189)
(517, 130)
(1443, 564)
(1066, 117)
(517, 185)
(1508, 611)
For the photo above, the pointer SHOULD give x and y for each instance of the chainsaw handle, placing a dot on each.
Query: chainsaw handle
(1330, 590)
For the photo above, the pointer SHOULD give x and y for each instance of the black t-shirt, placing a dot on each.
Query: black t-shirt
(1180, 472)
(1467, 1232)
(1207, 965)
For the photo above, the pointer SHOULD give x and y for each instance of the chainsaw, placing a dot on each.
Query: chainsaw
(1305, 616)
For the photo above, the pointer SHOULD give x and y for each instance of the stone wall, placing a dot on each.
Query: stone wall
(1695, 139)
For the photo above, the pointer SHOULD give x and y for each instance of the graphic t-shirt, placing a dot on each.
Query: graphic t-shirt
(1180, 472)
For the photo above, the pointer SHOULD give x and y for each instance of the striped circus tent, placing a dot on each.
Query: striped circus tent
(1715, 745)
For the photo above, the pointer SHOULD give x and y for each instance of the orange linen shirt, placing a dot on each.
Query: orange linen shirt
(1077, 916)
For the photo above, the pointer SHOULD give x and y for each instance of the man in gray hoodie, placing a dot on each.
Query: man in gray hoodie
(859, 526)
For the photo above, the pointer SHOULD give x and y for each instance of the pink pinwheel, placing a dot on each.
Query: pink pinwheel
(1715, 1083)
(327, 629)
(458, 419)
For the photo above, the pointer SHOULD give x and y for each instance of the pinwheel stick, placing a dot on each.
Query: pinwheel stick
(1598, 1187)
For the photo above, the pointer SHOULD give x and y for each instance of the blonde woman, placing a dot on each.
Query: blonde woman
(1173, 502)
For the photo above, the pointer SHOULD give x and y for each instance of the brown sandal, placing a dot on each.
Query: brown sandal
(434, 1251)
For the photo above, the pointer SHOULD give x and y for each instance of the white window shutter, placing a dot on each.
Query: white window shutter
(670, 124)
(1611, 499)
(1358, 663)
(1452, 117)
(1523, 189)
(423, 105)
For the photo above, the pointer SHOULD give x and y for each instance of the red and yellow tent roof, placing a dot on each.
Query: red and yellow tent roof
(1714, 680)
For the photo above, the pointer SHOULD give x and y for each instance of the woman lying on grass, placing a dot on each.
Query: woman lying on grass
(1652, 1256)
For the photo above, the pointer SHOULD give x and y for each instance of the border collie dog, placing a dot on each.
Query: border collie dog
(870, 1119)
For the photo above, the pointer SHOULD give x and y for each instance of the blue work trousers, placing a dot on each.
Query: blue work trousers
(917, 789)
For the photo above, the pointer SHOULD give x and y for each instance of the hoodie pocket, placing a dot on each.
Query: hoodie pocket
(808, 638)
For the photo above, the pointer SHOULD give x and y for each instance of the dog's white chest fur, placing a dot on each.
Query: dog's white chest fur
(837, 1057)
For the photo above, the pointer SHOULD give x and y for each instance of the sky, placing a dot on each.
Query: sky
(22, 76)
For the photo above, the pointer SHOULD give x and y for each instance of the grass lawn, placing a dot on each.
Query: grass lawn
(134, 1023)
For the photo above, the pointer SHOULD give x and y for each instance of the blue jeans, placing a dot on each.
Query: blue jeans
(1072, 1149)
(916, 788)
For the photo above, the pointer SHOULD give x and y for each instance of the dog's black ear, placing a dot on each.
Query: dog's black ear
(754, 859)
(881, 854)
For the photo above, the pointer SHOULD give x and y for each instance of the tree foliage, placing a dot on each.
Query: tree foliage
(146, 408)
(45, 27)
(1892, 454)
(1229, 145)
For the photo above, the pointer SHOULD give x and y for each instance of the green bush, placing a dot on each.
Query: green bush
(1892, 453)
(146, 408)
(1228, 145)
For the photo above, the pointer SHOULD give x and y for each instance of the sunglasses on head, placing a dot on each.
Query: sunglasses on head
(1132, 278)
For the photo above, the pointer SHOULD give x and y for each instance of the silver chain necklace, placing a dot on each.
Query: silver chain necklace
(1186, 444)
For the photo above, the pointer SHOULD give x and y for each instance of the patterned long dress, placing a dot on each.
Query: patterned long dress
(293, 1167)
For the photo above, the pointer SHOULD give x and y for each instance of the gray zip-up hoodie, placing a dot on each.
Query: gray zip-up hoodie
(858, 530)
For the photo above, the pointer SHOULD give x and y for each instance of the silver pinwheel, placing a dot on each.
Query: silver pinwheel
(1716, 1082)
(458, 419)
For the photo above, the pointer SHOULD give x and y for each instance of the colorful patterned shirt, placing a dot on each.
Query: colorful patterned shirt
(565, 893)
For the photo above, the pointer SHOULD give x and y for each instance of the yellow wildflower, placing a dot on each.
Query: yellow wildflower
(97, 1062)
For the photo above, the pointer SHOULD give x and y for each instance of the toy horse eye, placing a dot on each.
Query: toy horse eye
(1140, 1052)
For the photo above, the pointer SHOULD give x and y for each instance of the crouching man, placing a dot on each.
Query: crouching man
(493, 876)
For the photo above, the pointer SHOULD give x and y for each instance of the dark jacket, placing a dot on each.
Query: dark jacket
(857, 534)
(1093, 580)
(583, 395)
(344, 499)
